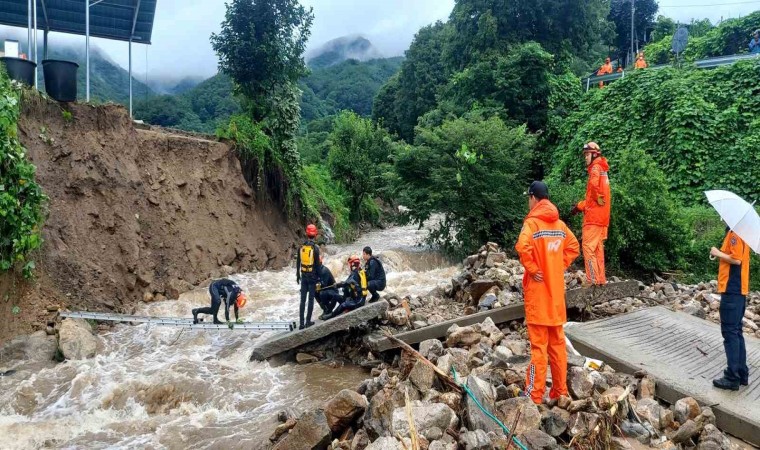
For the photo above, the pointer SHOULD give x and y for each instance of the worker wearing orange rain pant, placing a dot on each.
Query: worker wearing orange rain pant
(546, 247)
(606, 69)
(596, 213)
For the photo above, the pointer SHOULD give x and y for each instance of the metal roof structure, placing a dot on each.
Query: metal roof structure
(120, 20)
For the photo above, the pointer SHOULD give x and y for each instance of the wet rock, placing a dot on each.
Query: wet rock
(305, 358)
(706, 416)
(459, 358)
(479, 287)
(582, 423)
(495, 258)
(360, 440)
(519, 348)
(530, 418)
(500, 357)
(554, 422)
(486, 395)
(646, 388)
(377, 420)
(342, 409)
(685, 409)
(398, 316)
(463, 336)
(451, 399)
(580, 383)
(618, 443)
(311, 432)
(431, 349)
(175, 288)
(651, 411)
(538, 440)
(685, 432)
(635, 430)
(76, 339)
(282, 429)
(422, 376)
(385, 443)
(610, 397)
(36, 347)
(475, 440)
(712, 439)
(426, 416)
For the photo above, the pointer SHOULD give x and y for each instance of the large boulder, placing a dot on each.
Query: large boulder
(422, 376)
(530, 418)
(36, 347)
(485, 393)
(76, 339)
(342, 409)
(475, 440)
(651, 411)
(580, 383)
(377, 420)
(554, 421)
(310, 433)
(479, 287)
(686, 408)
(426, 417)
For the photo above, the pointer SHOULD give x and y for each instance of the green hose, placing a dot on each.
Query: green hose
(485, 411)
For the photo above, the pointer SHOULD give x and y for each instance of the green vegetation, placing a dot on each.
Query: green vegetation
(22, 202)
(473, 171)
(324, 197)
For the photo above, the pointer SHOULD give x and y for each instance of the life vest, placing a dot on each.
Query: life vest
(363, 281)
(307, 258)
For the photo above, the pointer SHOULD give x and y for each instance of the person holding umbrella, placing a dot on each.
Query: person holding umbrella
(742, 233)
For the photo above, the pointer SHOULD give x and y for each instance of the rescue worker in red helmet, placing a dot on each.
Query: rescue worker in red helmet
(308, 267)
(222, 291)
(354, 288)
(596, 213)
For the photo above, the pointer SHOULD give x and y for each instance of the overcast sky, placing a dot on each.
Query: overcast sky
(182, 28)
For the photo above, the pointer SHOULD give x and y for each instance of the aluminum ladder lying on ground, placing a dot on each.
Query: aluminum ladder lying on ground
(178, 321)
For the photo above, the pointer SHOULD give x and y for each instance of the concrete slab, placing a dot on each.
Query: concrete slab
(684, 354)
(575, 298)
(283, 342)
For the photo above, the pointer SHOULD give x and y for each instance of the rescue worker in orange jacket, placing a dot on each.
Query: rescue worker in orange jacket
(606, 69)
(546, 247)
(596, 213)
(641, 63)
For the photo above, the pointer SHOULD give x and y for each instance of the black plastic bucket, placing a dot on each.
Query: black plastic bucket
(18, 69)
(60, 79)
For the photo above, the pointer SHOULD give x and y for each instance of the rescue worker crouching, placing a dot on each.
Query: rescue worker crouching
(375, 274)
(354, 288)
(308, 267)
(222, 291)
(327, 291)
(596, 213)
(546, 247)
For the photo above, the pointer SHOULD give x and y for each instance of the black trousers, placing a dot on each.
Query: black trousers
(732, 308)
(328, 298)
(308, 290)
(216, 303)
(373, 287)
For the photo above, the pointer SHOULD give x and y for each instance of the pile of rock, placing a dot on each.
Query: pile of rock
(603, 409)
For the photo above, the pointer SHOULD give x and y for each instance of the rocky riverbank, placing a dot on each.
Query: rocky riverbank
(412, 401)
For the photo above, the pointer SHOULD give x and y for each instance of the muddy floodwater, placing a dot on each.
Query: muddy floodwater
(159, 387)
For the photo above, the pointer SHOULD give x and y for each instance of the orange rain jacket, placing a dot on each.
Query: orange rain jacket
(641, 63)
(596, 205)
(548, 246)
(606, 69)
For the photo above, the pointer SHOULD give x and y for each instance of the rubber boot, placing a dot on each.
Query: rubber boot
(195, 316)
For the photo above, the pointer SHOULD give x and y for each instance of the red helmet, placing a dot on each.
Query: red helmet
(354, 262)
(311, 230)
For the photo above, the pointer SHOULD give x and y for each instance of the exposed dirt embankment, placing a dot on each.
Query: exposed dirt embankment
(136, 214)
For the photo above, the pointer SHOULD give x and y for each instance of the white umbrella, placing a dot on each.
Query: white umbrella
(739, 215)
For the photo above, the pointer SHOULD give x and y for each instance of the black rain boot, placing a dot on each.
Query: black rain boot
(195, 316)
(724, 383)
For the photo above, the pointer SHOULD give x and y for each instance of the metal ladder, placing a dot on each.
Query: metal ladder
(178, 321)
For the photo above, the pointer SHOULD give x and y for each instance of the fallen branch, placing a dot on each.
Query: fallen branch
(442, 375)
(412, 429)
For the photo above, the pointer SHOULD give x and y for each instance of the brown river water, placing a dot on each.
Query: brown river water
(159, 387)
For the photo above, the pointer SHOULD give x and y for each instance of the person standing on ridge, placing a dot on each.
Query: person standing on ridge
(327, 292)
(641, 63)
(733, 287)
(375, 274)
(354, 288)
(308, 267)
(223, 290)
(546, 247)
(606, 69)
(596, 213)
(754, 44)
